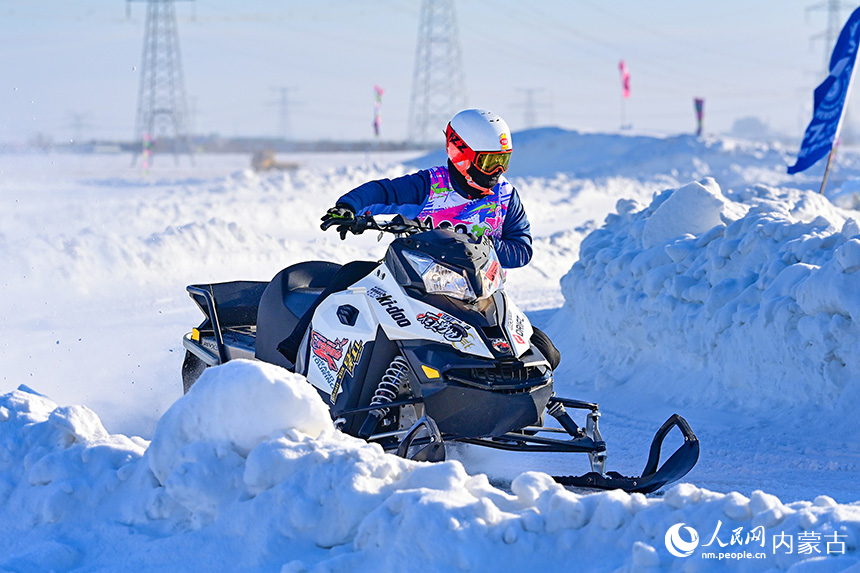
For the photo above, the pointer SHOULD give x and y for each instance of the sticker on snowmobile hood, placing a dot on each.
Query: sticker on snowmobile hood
(501, 345)
(330, 352)
(445, 325)
(326, 354)
(350, 361)
(387, 302)
(518, 329)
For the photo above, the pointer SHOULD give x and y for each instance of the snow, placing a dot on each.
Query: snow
(675, 274)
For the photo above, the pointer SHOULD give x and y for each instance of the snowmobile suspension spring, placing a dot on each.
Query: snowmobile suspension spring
(389, 385)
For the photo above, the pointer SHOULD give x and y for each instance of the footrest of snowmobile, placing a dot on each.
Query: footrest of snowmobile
(652, 478)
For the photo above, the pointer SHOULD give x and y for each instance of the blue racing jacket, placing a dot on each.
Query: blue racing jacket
(413, 195)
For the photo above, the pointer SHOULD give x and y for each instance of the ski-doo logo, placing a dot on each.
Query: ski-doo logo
(441, 323)
(390, 305)
(329, 351)
(680, 547)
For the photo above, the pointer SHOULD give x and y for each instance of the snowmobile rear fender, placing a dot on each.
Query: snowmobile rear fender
(227, 305)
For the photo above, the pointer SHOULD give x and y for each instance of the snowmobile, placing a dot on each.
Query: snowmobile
(417, 350)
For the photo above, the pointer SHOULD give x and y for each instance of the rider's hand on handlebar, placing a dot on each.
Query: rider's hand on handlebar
(340, 211)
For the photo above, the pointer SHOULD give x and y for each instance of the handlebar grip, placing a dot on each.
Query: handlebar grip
(325, 225)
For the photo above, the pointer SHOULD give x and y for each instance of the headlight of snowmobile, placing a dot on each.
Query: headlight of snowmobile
(439, 279)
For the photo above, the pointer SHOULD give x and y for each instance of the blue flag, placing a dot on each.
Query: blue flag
(830, 98)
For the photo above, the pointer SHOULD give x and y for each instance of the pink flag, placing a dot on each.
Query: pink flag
(625, 79)
(377, 110)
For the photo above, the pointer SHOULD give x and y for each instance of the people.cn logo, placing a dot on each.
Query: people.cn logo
(678, 546)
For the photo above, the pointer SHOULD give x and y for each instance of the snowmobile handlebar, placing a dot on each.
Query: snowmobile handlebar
(361, 223)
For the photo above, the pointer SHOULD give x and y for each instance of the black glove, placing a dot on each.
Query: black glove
(339, 211)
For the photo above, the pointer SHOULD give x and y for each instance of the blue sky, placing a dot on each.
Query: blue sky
(72, 68)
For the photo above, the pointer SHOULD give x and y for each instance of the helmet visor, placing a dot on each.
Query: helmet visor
(491, 162)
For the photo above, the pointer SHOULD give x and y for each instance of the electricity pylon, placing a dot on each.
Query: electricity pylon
(438, 83)
(161, 108)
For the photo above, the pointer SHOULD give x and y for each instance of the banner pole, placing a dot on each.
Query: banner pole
(839, 125)
(827, 169)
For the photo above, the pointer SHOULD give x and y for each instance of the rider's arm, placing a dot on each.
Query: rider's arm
(404, 195)
(515, 245)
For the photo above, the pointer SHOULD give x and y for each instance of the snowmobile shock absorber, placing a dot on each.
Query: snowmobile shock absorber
(557, 411)
(597, 458)
(386, 392)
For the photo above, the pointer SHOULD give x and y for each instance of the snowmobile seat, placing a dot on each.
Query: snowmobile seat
(289, 295)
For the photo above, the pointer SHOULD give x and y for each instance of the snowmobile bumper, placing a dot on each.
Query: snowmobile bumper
(454, 409)
(473, 396)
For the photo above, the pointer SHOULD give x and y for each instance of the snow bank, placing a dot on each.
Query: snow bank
(238, 405)
(739, 299)
(269, 492)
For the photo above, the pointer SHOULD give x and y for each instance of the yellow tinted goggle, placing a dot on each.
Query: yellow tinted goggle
(490, 161)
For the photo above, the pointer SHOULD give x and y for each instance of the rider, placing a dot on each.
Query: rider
(470, 195)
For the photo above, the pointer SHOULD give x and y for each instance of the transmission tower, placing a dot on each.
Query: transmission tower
(78, 123)
(161, 110)
(438, 84)
(530, 107)
(284, 127)
(834, 26)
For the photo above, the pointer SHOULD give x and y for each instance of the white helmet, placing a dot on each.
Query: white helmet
(479, 146)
